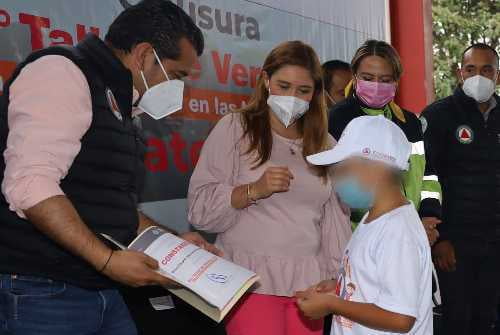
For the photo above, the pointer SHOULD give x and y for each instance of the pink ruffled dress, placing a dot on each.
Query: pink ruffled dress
(293, 239)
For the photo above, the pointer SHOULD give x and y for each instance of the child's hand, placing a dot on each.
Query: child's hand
(313, 304)
(326, 286)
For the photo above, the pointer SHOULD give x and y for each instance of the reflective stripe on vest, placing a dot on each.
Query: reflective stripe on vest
(429, 194)
(417, 148)
(431, 178)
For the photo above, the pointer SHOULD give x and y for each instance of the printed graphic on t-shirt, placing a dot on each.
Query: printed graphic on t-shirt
(345, 288)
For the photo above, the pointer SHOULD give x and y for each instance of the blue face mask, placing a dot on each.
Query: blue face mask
(353, 194)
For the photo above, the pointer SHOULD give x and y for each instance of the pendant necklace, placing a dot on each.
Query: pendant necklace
(292, 150)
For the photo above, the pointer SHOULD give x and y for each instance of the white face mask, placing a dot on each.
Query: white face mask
(162, 99)
(479, 88)
(287, 109)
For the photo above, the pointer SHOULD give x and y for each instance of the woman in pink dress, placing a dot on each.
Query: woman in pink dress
(273, 212)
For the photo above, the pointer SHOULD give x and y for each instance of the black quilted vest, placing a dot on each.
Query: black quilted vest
(102, 183)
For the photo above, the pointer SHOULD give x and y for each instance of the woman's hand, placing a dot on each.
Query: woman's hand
(273, 180)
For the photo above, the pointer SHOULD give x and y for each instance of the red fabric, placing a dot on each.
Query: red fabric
(260, 314)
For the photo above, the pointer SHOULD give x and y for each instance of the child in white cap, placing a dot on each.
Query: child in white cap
(385, 282)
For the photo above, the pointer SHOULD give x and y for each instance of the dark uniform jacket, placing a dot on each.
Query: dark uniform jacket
(464, 148)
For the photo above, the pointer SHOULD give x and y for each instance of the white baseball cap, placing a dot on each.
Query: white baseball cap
(370, 137)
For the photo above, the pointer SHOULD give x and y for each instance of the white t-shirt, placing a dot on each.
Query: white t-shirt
(388, 263)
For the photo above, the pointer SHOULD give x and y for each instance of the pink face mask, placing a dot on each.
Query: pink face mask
(375, 94)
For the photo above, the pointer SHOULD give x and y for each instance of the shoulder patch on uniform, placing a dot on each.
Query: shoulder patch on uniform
(464, 134)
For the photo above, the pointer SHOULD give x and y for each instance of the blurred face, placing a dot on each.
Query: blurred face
(142, 58)
(375, 68)
(340, 79)
(371, 175)
(366, 172)
(479, 62)
(291, 80)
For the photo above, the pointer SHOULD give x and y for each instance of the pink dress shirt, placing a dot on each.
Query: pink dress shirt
(293, 239)
(50, 110)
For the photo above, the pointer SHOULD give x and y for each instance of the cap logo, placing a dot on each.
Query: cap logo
(465, 135)
(378, 155)
(385, 157)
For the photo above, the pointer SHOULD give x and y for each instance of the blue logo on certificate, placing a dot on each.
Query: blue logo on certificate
(218, 278)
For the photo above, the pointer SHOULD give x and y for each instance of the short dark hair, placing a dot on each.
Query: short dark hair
(158, 22)
(481, 46)
(330, 67)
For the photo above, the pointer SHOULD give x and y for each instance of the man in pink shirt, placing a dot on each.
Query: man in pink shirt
(72, 168)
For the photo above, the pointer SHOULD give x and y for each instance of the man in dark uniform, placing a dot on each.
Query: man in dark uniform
(462, 142)
(72, 168)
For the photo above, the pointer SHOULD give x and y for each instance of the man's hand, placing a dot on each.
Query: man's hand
(135, 269)
(315, 305)
(326, 286)
(444, 256)
(430, 224)
(199, 241)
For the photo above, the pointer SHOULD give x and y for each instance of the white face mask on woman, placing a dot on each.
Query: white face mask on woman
(164, 98)
(287, 109)
(479, 88)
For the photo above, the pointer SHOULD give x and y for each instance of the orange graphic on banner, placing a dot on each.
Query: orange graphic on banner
(6, 69)
(203, 104)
